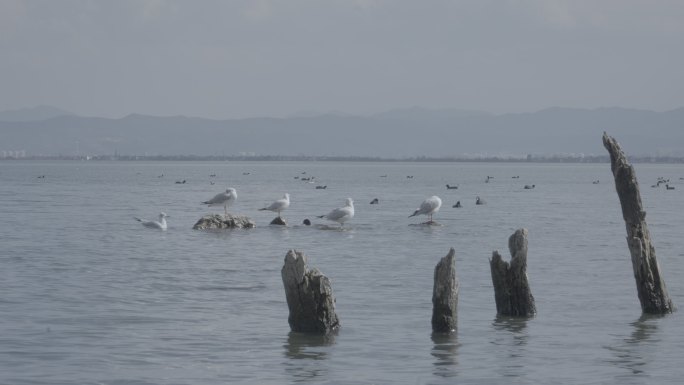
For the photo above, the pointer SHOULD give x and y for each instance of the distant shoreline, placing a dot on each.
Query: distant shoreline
(302, 158)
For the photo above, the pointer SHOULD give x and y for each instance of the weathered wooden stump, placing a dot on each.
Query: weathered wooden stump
(650, 284)
(309, 297)
(215, 221)
(511, 288)
(445, 295)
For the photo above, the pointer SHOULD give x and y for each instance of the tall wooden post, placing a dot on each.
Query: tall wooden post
(650, 284)
(445, 295)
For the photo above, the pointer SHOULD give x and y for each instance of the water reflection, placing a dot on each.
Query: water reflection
(445, 350)
(306, 355)
(632, 353)
(510, 336)
(515, 326)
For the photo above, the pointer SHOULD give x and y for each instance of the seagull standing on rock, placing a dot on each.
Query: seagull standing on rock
(341, 214)
(160, 224)
(224, 199)
(279, 205)
(429, 206)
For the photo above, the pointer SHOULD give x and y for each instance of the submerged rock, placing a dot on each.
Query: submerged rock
(278, 221)
(215, 221)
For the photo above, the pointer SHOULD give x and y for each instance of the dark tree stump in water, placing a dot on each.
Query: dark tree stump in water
(309, 297)
(650, 284)
(445, 295)
(511, 288)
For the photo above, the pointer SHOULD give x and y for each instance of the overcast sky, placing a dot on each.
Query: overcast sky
(233, 59)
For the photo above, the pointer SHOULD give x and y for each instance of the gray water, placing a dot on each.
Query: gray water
(89, 296)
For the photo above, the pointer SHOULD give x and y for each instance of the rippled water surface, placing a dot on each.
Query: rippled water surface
(89, 296)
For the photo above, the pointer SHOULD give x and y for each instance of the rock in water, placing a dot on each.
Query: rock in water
(215, 221)
(309, 297)
(278, 221)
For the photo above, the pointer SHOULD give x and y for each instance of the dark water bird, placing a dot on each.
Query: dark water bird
(479, 201)
(160, 224)
(224, 199)
(245, 173)
(341, 214)
(212, 175)
(279, 205)
(181, 181)
(375, 201)
(321, 187)
(409, 176)
(306, 222)
(667, 186)
(451, 187)
(529, 186)
(596, 181)
(429, 206)
(457, 205)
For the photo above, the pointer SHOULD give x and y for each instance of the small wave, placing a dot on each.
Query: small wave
(231, 288)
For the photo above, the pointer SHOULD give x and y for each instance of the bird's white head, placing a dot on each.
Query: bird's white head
(349, 202)
(163, 215)
(287, 197)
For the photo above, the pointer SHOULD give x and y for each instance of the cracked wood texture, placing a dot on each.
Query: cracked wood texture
(309, 297)
(511, 287)
(650, 284)
(445, 295)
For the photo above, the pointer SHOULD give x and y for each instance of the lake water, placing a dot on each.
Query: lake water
(89, 296)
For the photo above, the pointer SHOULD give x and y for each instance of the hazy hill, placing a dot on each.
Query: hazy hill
(401, 133)
(31, 114)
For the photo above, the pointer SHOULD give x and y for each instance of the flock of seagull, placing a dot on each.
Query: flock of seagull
(340, 215)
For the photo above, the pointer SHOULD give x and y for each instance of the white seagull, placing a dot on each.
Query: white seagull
(224, 199)
(160, 224)
(279, 205)
(341, 214)
(429, 206)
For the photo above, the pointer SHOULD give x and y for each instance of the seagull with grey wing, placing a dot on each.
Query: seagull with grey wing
(279, 205)
(341, 214)
(224, 199)
(160, 224)
(429, 206)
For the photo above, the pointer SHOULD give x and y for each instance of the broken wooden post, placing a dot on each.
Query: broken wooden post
(650, 284)
(445, 295)
(309, 297)
(511, 288)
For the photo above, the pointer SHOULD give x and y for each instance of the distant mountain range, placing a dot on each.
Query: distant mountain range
(403, 133)
(32, 114)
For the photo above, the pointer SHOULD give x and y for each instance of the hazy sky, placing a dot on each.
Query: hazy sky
(232, 59)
